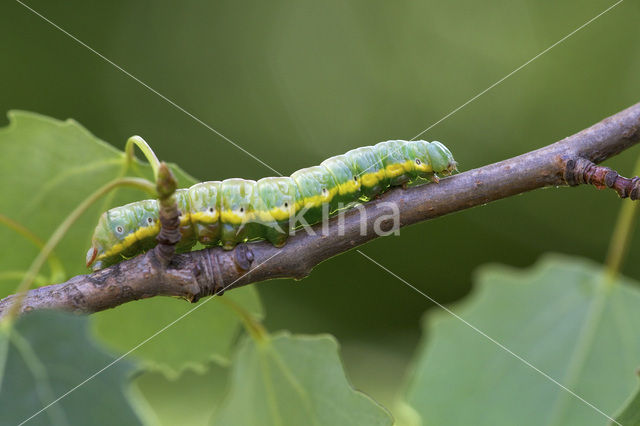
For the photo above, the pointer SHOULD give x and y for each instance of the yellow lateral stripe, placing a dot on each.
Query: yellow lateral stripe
(231, 217)
(371, 179)
(138, 235)
(205, 217)
(423, 167)
(279, 213)
(273, 214)
(394, 170)
(348, 187)
(317, 200)
(276, 213)
(131, 239)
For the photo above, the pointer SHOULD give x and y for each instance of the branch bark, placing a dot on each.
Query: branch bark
(571, 161)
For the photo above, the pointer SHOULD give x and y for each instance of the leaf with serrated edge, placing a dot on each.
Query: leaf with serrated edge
(294, 380)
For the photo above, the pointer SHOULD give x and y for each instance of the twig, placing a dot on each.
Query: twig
(570, 161)
(169, 215)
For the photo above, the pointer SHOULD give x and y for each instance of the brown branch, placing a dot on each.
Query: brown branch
(168, 215)
(202, 273)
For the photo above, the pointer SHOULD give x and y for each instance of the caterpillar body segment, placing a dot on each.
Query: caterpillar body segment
(237, 210)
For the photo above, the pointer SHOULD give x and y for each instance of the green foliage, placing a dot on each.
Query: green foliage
(271, 77)
(283, 380)
(562, 317)
(296, 392)
(630, 414)
(65, 164)
(294, 380)
(47, 167)
(294, 82)
(45, 355)
(207, 333)
(189, 399)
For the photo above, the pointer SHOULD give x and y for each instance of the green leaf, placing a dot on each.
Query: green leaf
(630, 414)
(205, 334)
(294, 380)
(562, 317)
(189, 399)
(46, 168)
(45, 355)
(405, 415)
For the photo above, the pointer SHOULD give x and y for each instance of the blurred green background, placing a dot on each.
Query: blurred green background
(294, 82)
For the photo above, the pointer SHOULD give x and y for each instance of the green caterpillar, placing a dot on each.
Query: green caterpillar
(238, 210)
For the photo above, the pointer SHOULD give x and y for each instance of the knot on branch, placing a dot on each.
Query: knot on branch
(169, 215)
(219, 271)
(580, 171)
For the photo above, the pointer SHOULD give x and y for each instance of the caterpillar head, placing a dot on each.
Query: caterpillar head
(103, 237)
(113, 237)
(432, 157)
(441, 158)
